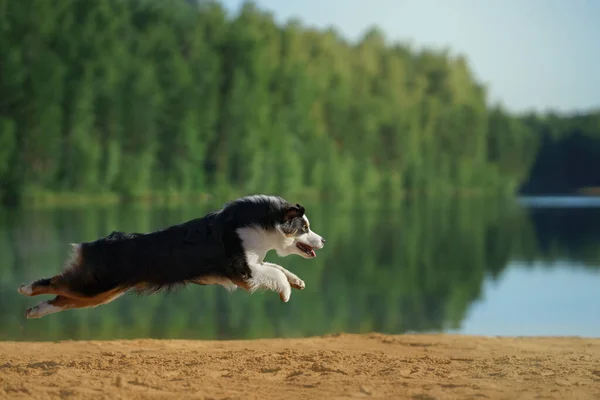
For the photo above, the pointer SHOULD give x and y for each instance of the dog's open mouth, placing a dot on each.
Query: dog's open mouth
(306, 249)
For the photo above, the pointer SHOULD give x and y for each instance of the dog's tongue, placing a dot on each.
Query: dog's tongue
(312, 253)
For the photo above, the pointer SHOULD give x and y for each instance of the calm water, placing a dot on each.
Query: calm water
(526, 268)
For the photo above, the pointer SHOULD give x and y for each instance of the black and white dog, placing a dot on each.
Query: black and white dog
(226, 247)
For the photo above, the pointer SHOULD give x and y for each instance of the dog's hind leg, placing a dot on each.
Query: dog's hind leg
(59, 284)
(57, 304)
(41, 286)
(62, 303)
(56, 285)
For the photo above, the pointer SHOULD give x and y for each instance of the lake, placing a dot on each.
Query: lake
(528, 267)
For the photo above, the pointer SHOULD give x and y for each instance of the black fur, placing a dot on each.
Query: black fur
(207, 246)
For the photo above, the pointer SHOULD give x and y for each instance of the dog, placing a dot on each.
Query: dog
(225, 247)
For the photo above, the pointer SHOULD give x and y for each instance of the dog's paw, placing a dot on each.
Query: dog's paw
(33, 312)
(285, 294)
(297, 283)
(25, 289)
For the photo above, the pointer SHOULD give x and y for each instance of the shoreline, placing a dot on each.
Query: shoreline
(52, 200)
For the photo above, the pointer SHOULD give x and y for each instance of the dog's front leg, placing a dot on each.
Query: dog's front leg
(266, 277)
(294, 281)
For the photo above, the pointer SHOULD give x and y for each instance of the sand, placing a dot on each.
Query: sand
(370, 366)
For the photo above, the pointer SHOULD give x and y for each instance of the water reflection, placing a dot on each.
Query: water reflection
(542, 299)
(419, 267)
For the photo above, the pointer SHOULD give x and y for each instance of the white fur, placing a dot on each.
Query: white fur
(291, 278)
(266, 277)
(26, 290)
(75, 256)
(42, 309)
(286, 246)
(257, 242)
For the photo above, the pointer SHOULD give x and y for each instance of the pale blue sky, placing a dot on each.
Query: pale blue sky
(532, 54)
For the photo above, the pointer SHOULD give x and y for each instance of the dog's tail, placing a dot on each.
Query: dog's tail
(75, 259)
(60, 283)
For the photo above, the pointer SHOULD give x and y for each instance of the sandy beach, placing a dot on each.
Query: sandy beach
(330, 367)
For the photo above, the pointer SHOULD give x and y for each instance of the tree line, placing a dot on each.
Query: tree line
(143, 98)
(568, 159)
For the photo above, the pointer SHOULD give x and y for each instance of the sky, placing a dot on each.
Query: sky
(538, 55)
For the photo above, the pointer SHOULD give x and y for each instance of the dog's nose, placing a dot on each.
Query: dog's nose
(322, 240)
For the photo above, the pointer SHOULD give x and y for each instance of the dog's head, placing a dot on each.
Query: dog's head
(296, 235)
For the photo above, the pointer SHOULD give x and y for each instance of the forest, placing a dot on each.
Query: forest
(147, 99)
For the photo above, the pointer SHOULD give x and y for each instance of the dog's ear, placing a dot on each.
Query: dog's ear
(292, 212)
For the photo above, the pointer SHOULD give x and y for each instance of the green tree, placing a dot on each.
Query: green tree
(146, 98)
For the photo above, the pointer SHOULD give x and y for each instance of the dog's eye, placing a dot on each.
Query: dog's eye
(292, 233)
(305, 228)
